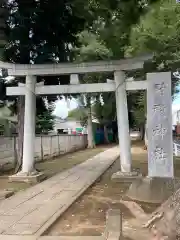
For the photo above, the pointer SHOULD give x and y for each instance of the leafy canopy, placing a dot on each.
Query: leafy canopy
(159, 32)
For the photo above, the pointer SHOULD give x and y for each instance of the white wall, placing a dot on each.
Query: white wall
(45, 146)
(175, 110)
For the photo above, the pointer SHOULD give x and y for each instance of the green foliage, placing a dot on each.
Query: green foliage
(44, 117)
(92, 48)
(159, 32)
(3, 98)
(108, 39)
(3, 26)
(42, 32)
(137, 104)
(114, 26)
(105, 112)
(79, 114)
(44, 122)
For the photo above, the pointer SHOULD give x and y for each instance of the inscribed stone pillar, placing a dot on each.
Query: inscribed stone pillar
(123, 122)
(29, 125)
(159, 120)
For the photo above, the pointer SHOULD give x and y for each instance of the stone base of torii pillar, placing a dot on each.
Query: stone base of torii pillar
(126, 176)
(153, 190)
(33, 177)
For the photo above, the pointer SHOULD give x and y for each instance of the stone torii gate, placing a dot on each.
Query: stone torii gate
(31, 89)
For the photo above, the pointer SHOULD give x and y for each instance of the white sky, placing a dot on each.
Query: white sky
(62, 108)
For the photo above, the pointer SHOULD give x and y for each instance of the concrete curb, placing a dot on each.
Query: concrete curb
(113, 229)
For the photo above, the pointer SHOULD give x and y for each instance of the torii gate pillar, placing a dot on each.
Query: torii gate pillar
(123, 121)
(29, 125)
(28, 172)
(126, 173)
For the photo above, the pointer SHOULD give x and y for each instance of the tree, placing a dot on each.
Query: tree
(3, 26)
(44, 117)
(158, 33)
(84, 115)
(80, 114)
(7, 119)
(108, 39)
(41, 32)
(116, 34)
(162, 224)
(105, 111)
(91, 48)
(113, 21)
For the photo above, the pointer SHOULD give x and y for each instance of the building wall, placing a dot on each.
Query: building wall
(45, 146)
(175, 116)
(65, 124)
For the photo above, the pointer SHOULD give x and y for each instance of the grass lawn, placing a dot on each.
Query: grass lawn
(54, 166)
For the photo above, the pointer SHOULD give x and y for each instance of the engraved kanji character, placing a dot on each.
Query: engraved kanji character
(159, 155)
(160, 87)
(159, 108)
(159, 131)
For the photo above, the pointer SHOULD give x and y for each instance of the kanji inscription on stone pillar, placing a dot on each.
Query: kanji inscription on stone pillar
(159, 120)
(159, 131)
(159, 109)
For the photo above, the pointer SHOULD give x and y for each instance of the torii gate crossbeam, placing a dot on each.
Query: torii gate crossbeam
(78, 88)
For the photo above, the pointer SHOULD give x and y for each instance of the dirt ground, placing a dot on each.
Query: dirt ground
(52, 167)
(87, 215)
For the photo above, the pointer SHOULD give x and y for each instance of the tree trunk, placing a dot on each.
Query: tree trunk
(162, 224)
(142, 132)
(7, 128)
(146, 136)
(106, 135)
(20, 130)
(91, 143)
(167, 225)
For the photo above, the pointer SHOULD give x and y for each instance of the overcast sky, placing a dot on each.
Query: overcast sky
(62, 107)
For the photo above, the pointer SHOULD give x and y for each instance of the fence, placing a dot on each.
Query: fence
(176, 149)
(46, 146)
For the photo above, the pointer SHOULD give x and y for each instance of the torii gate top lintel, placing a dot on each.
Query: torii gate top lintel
(70, 68)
